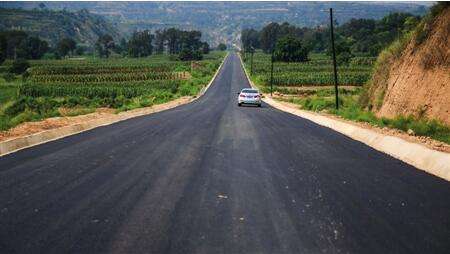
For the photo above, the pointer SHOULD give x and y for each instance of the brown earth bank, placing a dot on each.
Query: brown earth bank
(419, 81)
(29, 128)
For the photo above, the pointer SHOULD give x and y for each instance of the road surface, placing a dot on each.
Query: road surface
(212, 177)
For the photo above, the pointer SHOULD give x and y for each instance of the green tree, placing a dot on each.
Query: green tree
(32, 48)
(140, 44)
(10, 41)
(290, 49)
(222, 47)
(80, 50)
(205, 48)
(269, 36)
(2, 56)
(66, 46)
(159, 41)
(19, 66)
(250, 39)
(104, 45)
(188, 54)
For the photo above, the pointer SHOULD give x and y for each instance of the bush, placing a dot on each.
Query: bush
(187, 55)
(222, 47)
(19, 66)
(9, 77)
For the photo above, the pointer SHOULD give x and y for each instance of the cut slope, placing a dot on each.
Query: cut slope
(418, 81)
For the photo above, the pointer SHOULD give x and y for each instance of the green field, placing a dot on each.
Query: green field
(305, 84)
(318, 71)
(88, 83)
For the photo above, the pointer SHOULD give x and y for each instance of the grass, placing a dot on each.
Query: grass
(350, 109)
(374, 89)
(19, 104)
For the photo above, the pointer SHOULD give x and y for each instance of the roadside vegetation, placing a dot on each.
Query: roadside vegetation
(374, 90)
(350, 109)
(70, 87)
(41, 78)
(308, 81)
(38, 80)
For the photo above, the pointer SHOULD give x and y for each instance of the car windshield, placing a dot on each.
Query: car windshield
(249, 91)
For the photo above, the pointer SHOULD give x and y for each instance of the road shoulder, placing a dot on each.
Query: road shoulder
(432, 161)
(65, 126)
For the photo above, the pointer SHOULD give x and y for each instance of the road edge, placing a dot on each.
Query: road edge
(19, 143)
(434, 162)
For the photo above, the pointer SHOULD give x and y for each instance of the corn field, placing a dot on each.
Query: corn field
(103, 78)
(318, 71)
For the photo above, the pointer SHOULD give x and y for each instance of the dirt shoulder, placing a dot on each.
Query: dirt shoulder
(422, 140)
(30, 128)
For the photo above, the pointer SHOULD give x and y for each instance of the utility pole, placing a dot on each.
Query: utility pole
(334, 59)
(271, 74)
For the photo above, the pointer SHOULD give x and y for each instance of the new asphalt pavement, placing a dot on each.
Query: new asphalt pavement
(212, 177)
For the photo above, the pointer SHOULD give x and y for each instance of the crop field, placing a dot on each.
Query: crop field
(120, 83)
(318, 71)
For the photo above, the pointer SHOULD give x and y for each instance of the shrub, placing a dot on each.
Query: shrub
(19, 66)
(9, 77)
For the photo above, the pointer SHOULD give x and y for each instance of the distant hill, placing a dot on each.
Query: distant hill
(51, 25)
(223, 21)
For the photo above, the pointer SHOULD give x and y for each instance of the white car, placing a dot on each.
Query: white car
(249, 96)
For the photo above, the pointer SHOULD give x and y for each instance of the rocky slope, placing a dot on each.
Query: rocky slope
(81, 25)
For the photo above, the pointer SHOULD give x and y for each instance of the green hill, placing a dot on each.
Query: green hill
(82, 25)
(222, 21)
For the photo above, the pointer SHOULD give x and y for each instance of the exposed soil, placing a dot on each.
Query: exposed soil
(426, 141)
(419, 82)
(29, 128)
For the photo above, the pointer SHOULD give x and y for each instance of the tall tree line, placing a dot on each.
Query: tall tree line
(186, 44)
(357, 37)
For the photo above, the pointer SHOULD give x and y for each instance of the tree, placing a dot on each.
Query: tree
(19, 66)
(159, 41)
(290, 49)
(172, 36)
(104, 44)
(9, 42)
(222, 47)
(250, 39)
(140, 44)
(205, 48)
(3, 46)
(269, 36)
(342, 48)
(2, 56)
(188, 54)
(80, 50)
(122, 47)
(65, 46)
(32, 48)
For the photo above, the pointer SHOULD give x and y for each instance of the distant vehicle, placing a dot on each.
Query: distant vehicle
(249, 96)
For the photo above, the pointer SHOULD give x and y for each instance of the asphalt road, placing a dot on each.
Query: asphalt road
(212, 177)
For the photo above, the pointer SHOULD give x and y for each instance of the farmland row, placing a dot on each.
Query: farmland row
(317, 71)
(127, 90)
(110, 77)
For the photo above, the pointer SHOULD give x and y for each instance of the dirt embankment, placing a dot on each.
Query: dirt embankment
(418, 82)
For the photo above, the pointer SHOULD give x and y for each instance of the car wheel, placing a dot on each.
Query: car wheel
(239, 104)
(259, 105)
